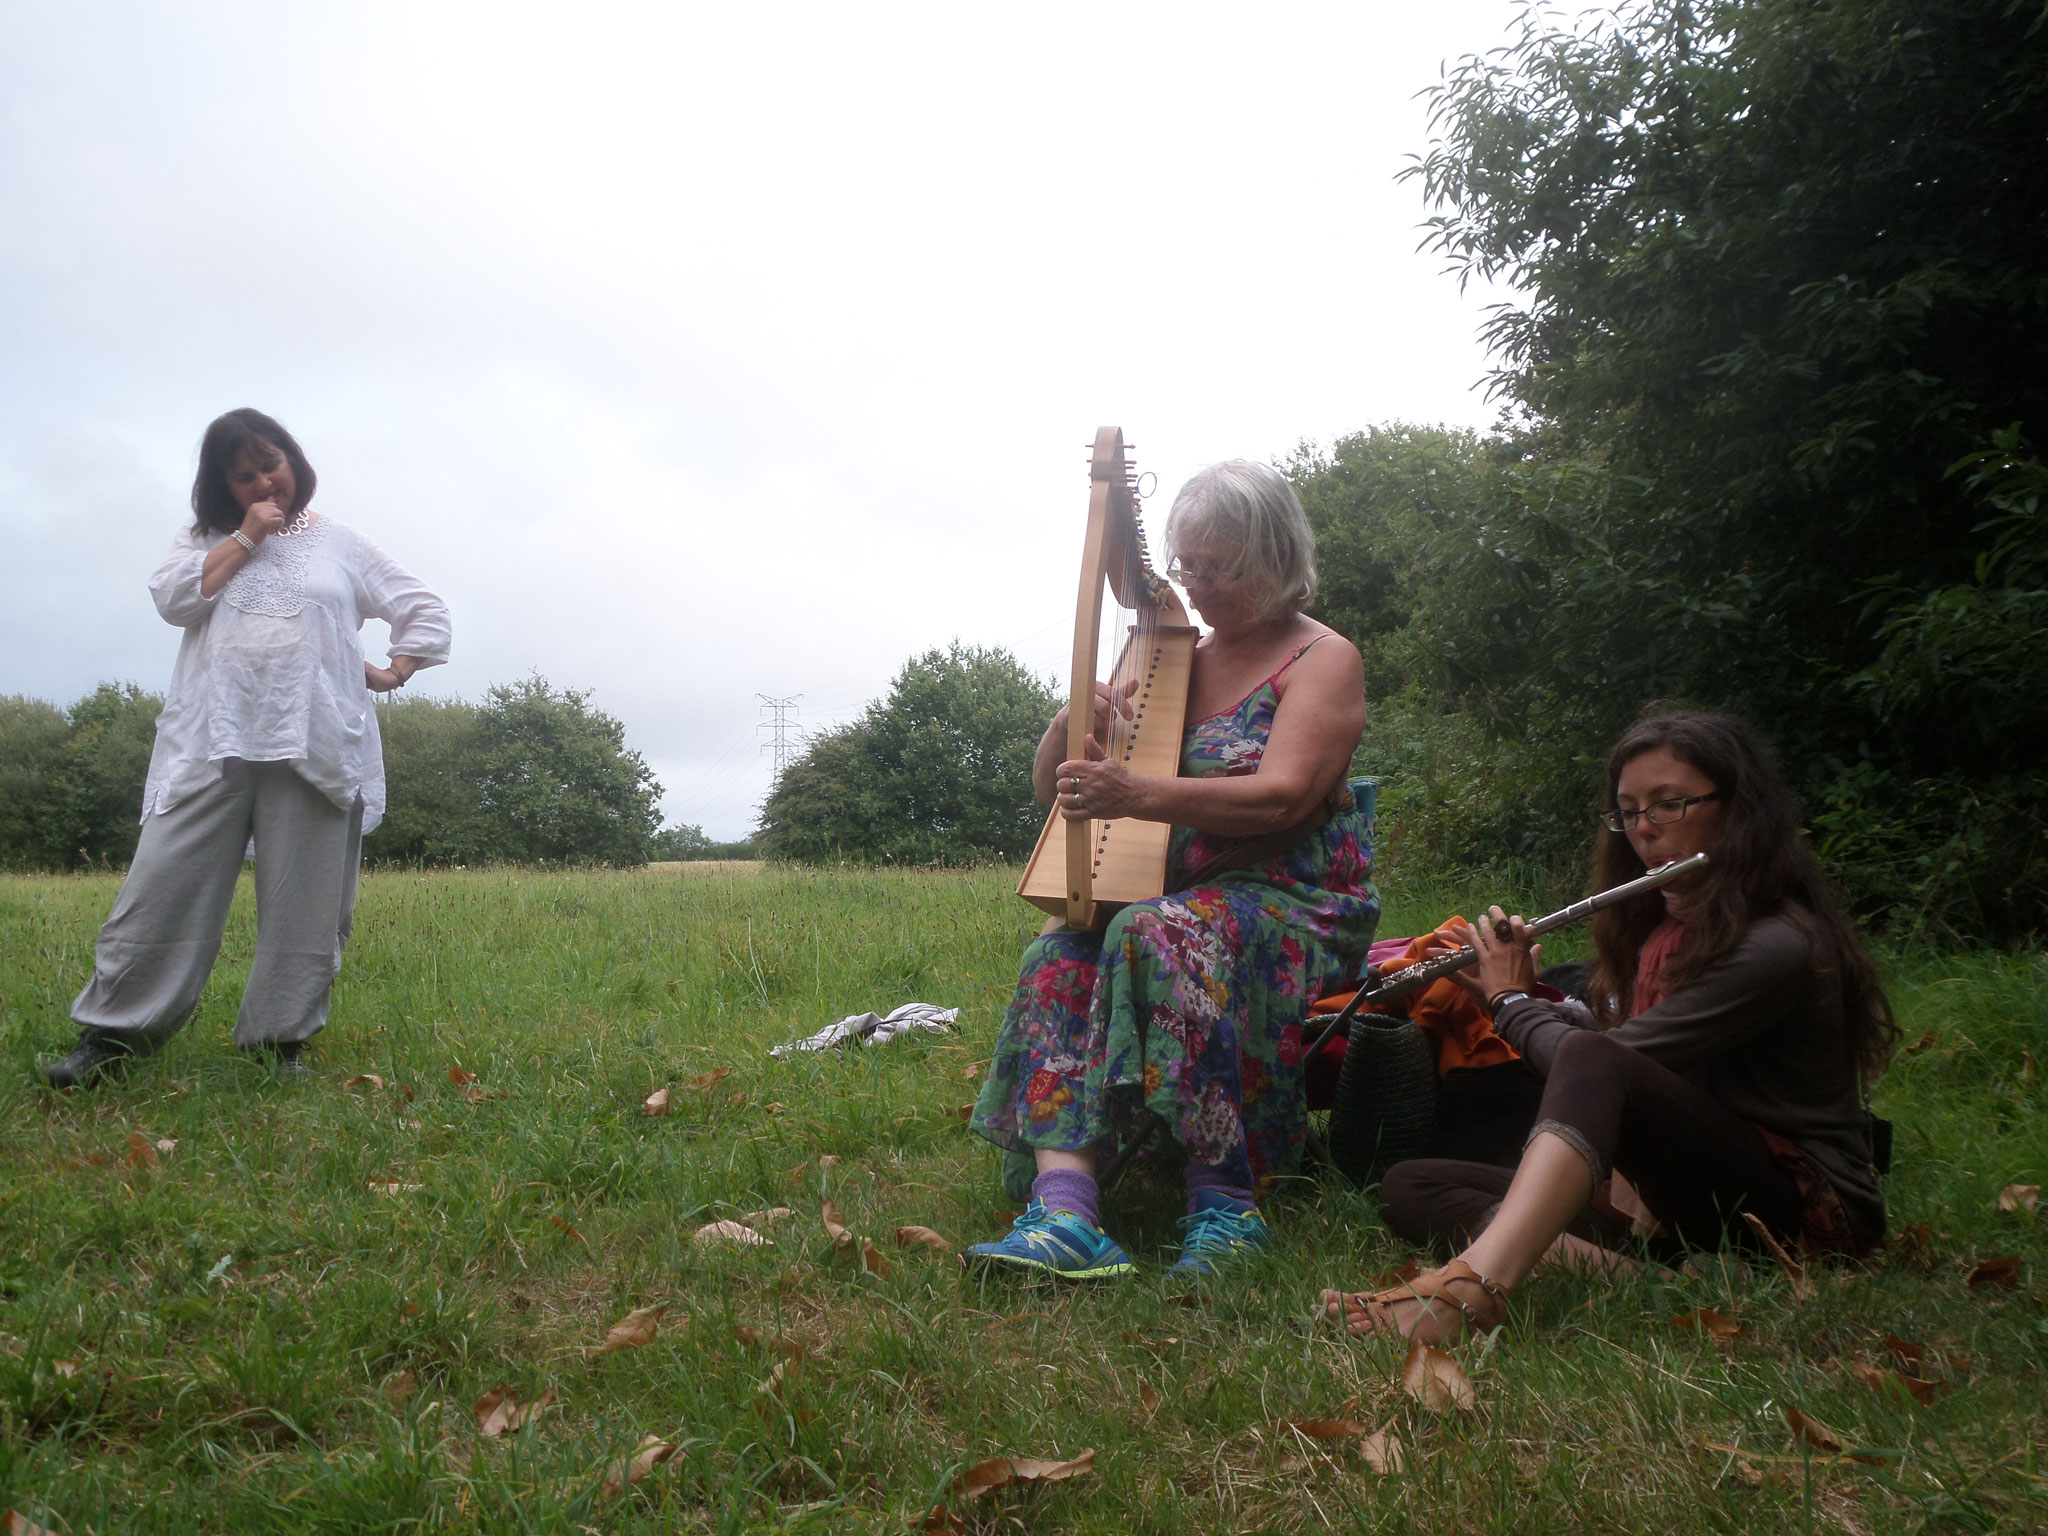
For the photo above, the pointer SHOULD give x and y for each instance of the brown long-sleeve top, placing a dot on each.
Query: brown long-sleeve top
(1764, 1035)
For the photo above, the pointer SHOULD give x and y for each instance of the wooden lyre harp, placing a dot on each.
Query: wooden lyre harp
(1084, 870)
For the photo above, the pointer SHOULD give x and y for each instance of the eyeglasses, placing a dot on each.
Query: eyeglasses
(1180, 573)
(1662, 814)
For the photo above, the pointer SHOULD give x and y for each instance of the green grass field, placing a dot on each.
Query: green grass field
(283, 1323)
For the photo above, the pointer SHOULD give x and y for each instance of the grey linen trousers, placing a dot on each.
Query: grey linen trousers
(157, 948)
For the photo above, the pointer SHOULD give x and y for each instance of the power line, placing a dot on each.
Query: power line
(780, 713)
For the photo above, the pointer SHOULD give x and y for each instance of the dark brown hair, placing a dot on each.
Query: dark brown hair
(1761, 867)
(227, 438)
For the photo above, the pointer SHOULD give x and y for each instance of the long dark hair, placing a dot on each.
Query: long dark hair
(1761, 867)
(227, 438)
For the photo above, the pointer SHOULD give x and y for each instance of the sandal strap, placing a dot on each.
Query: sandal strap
(1432, 1287)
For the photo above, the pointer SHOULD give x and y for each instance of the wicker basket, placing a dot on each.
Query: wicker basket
(1386, 1098)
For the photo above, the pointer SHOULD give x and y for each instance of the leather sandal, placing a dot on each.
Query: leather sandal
(1480, 1314)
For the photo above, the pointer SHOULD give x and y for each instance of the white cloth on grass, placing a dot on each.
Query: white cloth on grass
(271, 666)
(875, 1029)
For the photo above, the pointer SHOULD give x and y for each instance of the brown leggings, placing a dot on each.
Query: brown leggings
(1695, 1163)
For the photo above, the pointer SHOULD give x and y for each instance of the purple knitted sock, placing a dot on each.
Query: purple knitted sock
(1069, 1189)
(1203, 1180)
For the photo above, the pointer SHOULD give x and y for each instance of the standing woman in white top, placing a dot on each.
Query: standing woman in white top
(268, 733)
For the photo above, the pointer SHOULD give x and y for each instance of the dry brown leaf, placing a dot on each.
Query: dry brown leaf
(166, 1146)
(557, 1221)
(478, 1095)
(1714, 1324)
(141, 1151)
(873, 1260)
(1434, 1379)
(771, 1108)
(769, 1217)
(739, 1098)
(908, 1236)
(1925, 1042)
(944, 1521)
(401, 1389)
(1326, 1429)
(1148, 1398)
(18, 1524)
(1914, 1239)
(656, 1103)
(1795, 1274)
(65, 1368)
(964, 1112)
(391, 1184)
(1905, 1351)
(706, 1079)
(1383, 1453)
(2027, 1067)
(1001, 1471)
(404, 1091)
(830, 1160)
(628, 1470)
(457, 1075)
(364, 1077)
(635, 1329)
(1810, 1432)
(835, 1226)
(499, 1411)
(1895, 1383)
(2015, 1198)
(737, 1233)
(1188, 1301)
(753, 1338)
(2003, 1273)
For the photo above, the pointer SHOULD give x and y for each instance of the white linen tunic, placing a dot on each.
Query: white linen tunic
(271, 666)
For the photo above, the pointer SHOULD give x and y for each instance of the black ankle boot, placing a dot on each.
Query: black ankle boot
(95, 1054)
(283, 1056)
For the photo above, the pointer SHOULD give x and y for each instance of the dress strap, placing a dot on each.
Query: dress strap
(1300, 651)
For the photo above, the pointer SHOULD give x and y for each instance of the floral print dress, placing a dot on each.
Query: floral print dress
(1190, 1005)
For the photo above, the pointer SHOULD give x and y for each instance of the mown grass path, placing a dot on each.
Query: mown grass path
(223, 1341)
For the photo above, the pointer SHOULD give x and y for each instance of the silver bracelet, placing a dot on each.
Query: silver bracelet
(242, 539)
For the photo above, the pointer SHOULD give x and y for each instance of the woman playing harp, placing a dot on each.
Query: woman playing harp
(1188, 1007)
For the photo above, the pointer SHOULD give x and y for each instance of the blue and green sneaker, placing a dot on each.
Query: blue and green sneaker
(1056, 1244)
(1216, 1234)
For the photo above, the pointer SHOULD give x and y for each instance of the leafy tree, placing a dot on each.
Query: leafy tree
(113, 730)
(939, 772)
(687, 843)
(434, 813)
(35, 800)
(1774, 268)
(555, 781)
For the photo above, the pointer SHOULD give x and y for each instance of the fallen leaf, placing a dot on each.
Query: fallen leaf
(1434, 1379)
(835, 1228)
(1795, 1275)
(1896, 1384)
(772, 1215)
(1714, 1324)
(1810, 1432)
(739, 1098)
(1925, 1042)
(1399, 1275)
(557, 1221)
(1189, 1301)
(1001, 1471)
(1148, 1398)
(829, 1160)
(753, 1338)
(944, 1521)
(907, 1236)
(405, 1093)
(365, 1077)
(737, 1233)
(706, 1079)
(964, 1112)
(975, 1073)
(18, 1524)
(478, 1095)
(771, 1109)
(401, 1389)
(390, 1184)
(65, 1368)
(1326, 1429)
(499, 1411)
(628, 1470)
(873, 1260)
(2015, 1198)
(457, 1075)
(2027, 1067)
(141, 1151)
(1383, 1452)
(2004, 1273)
(1914, 1238)
(656, 1104)
(166, 1146)
(1904, 1350)
(636, 1328)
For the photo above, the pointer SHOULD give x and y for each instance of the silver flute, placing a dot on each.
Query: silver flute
(1411, 978)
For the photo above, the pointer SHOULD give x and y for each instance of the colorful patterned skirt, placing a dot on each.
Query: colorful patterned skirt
(1190, 1007)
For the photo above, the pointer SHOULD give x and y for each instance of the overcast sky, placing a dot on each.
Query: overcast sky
(696, 352)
